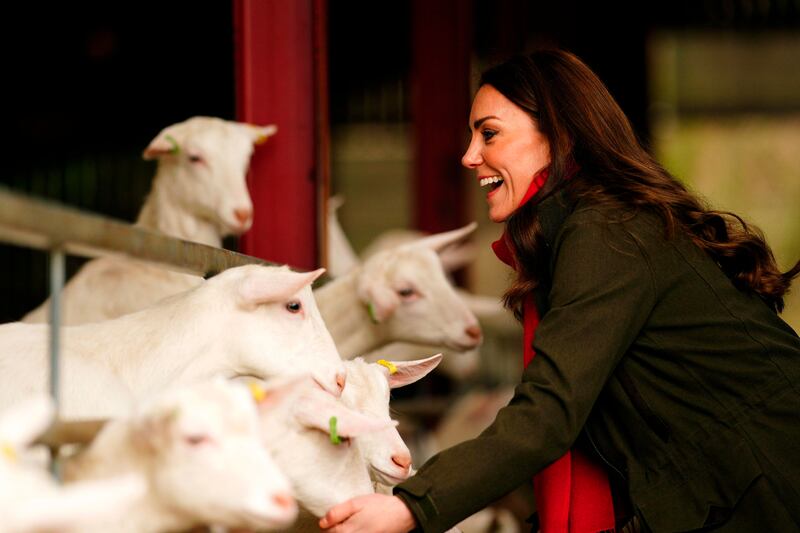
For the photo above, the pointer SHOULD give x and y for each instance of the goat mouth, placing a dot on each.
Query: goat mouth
(238, 229)
(389, 479)
(464, 346)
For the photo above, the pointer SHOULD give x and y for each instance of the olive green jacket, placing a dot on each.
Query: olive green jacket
(687, 388)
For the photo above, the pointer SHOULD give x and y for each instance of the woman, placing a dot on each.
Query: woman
(663, 389)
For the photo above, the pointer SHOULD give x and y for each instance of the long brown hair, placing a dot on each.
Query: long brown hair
(585, 126)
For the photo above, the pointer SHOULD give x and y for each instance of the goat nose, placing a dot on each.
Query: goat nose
(340, 381)
(403, 460)
(242, 215)
(473, 332)
(283, 500)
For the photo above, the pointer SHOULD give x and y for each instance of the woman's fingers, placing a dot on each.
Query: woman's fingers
(337, 514)
(369, 513)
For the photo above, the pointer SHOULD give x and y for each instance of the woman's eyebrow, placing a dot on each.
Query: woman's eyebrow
(477, 123)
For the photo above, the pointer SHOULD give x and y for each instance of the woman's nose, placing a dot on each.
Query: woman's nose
(472, 157)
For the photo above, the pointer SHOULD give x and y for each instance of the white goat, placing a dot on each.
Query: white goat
(251, 320)
(299, 425)
(367, 391)
(461, 365)
(399, 294)
(31, 501)
(201, 452)
(199, 194)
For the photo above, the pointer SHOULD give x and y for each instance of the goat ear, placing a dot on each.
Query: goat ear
(408, 372)
(316, 410)
(275, 393)
(21, 423)
(260, 134)
(380, 299)
(381, 302)
(438, 241)
(152, 432)
(335, 202)
(165, 143)
(261, 286)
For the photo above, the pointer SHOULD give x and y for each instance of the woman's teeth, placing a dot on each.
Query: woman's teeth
(490, 180)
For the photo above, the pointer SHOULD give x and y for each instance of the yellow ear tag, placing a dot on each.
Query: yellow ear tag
(335, 440)
(8, 451)
(387, 364)
(261, 139)
(257, 391)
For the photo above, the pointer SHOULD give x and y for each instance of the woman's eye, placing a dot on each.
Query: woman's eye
(194, 158)
(488, 134)
(294, 307)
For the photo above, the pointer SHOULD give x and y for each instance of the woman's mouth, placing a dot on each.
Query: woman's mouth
(493, 182)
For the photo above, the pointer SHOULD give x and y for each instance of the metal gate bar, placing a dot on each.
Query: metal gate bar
(47, 225)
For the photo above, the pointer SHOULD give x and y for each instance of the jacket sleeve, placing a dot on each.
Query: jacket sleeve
(601, 296)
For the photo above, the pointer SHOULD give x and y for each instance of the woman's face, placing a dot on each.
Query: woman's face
(506, 150)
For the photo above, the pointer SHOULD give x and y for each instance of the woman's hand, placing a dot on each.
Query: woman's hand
(373, 513)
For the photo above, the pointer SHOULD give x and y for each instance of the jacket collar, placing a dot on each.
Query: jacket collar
(552, 212)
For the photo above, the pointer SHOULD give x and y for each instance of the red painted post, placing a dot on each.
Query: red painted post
(442, 48)
(276, 83)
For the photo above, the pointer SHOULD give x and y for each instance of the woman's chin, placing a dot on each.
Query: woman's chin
(497, 215)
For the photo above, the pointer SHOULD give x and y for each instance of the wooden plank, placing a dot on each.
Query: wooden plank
(77, 432)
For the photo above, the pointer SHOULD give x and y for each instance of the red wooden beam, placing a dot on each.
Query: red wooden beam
(442, 48)
(277, 82)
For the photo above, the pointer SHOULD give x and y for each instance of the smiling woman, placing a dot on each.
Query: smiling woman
(506, 150)
(659, 390)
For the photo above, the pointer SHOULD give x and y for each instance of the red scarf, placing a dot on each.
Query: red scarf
(572, 494)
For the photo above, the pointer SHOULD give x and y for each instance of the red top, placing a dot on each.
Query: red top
(572, 493)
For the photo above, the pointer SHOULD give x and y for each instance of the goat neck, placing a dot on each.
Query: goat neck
(347, 318)
(169, 325)
(162, 213)
(114, 454)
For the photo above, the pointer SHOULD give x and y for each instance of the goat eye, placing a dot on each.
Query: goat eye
(196, 440)
(194, 158)
(406, 293)
(294, 307)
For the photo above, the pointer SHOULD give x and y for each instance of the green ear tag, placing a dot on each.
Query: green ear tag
(371, 311)
(335, 440)
(176, 148)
